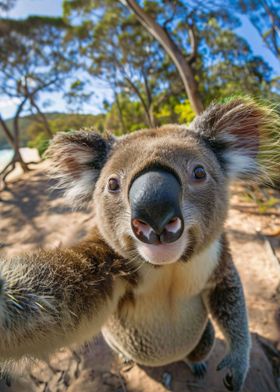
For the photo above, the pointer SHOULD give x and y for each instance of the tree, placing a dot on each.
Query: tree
(265, 16)
(231, 68)
(116, 46)
(33, 59)
(132, 116)
(6, 5)
(137, 66)
(61, 122)
(183, 63)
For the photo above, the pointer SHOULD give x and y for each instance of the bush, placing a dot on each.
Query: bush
(41, 142)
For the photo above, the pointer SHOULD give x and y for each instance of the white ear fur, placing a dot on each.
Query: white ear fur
(239, 164)
(245, 135)
(76, 161)
(77, 191)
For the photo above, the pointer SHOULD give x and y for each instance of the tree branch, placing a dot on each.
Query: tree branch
(172, 50)
(194, 44)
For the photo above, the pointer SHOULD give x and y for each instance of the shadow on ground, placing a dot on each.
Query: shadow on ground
(96, 369)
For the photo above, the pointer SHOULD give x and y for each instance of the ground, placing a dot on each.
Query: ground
(32, 216)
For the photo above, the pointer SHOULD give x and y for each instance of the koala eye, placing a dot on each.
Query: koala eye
(113, 184)
(199, 173)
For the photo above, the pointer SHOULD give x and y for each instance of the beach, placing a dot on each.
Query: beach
(28, 155)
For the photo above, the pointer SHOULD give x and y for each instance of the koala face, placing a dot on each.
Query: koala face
(162, 194)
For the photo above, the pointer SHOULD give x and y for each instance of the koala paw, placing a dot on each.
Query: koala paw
(237, 367)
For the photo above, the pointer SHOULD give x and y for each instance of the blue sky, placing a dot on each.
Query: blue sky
(25, 8)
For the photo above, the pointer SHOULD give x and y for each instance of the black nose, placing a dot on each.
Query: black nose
(155, 201)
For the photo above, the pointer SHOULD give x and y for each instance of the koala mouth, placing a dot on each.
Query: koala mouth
(159, 248)
(162, 253)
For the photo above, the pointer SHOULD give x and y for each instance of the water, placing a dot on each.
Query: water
(5, 157)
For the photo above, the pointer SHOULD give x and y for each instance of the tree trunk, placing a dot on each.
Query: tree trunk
(120, 114)
(7, 132)
(43, 117)
(17, 156)
(14, 144)
(182, 65)
(149, 99)
(133, 86)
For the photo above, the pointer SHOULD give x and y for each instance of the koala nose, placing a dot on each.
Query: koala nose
(169, 233)
(155, 201)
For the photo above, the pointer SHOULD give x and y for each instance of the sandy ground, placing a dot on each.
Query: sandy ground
(31, 216)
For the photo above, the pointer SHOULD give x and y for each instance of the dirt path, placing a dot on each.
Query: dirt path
(31, 216)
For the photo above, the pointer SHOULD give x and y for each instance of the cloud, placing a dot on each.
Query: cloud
(8, 102)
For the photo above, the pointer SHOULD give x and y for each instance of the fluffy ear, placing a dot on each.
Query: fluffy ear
(245, 135)
(76, 160)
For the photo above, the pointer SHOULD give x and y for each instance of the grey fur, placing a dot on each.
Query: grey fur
(151, 314)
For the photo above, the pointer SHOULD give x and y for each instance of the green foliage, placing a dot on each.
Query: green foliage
(184, 112)
(6, 5)
(125, 116)
(118, 50)
(263, 199)
(61, 123)
(24, 122)
(265, 16)
(66, 122)
(138, 68)
(40, 142)
(33, 132)
(234, 69)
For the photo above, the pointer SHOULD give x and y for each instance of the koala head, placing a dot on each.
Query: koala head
(162, 194)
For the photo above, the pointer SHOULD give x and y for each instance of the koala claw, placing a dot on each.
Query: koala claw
(228, 382)
(235, 376)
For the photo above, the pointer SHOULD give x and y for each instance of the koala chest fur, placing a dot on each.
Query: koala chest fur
(162, 319)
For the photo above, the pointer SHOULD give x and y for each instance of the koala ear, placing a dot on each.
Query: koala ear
(245, 135)
(76, 161)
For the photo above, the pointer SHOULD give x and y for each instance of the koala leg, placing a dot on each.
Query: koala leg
(195, 360)
(204, 346)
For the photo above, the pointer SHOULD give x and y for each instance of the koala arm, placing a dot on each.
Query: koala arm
(54, 298)
(226, 302)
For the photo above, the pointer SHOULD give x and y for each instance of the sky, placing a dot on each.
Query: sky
(25, 8)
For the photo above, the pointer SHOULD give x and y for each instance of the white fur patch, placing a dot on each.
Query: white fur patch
(76, 160)
(197, 271)
(78, 190)
(190, 277)
(238, 163)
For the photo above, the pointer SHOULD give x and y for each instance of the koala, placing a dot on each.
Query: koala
(156, 263)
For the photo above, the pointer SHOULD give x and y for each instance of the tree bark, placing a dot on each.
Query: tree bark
(43, 117)
(120, 114)
(14, 144)
(17, 156)
(13, 139)
(149, 99)
(178, 58)
(133, 86)
(7, 132)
